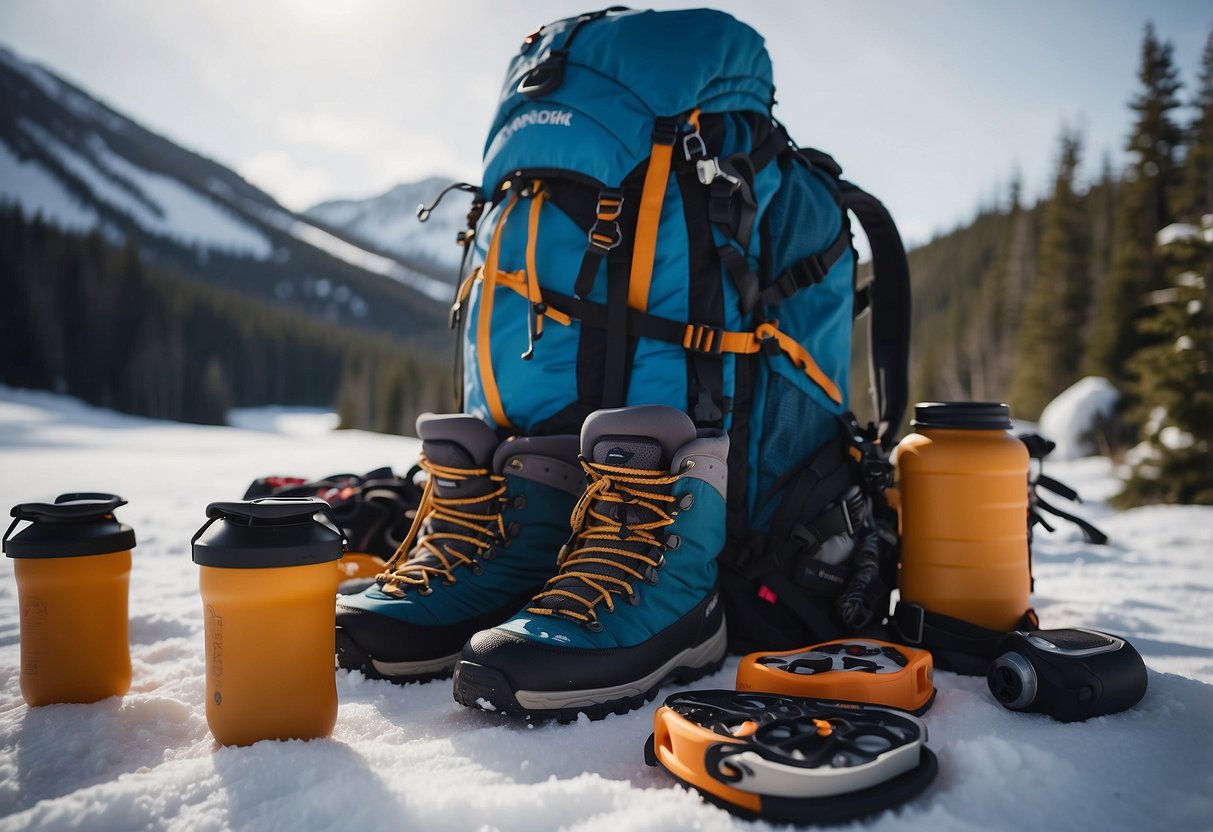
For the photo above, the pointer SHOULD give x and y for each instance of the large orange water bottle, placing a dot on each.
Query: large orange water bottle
(73, 567)
(963, 482)
(268, 568)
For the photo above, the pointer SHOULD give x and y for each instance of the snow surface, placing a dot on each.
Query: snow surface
(350, 253)
(411, 758)
(159, 204)
(29, 185)
(389, 221)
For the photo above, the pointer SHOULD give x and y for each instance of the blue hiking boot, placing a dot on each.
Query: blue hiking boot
(491, 521)
(635, 601)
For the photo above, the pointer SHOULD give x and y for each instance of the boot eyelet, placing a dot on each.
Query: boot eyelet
(594, 626)
(513, 530)
(426, 590)
(651, 576)
(515, 463)
(634, 598)
(520, 502)
(476, 568)
(488, 554)
(672, 541)
(686, 502)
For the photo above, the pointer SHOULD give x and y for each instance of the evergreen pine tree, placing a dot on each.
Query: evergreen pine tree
(1174, 372)
(1196, 196)
(1174, 384)
(1049, 342)
(1142, 211)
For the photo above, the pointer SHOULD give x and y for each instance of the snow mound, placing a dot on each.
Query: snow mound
(1070, 419)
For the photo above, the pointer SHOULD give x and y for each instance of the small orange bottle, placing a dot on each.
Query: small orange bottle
(963, 485)
(268, 568)
(73, 567)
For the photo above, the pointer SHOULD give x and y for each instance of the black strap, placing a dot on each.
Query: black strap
(1089, 532)
(549, 74)
(744, 280)
(956, 645)
(615, 358)
(808, 271)
(889, 299)
(775, 143)
(604, 237)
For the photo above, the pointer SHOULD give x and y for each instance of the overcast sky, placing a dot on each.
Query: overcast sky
(931, 105)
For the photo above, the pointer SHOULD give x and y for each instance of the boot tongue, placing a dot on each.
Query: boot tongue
(462, 442)
(647, 436)
(457, 441)
(629, 452)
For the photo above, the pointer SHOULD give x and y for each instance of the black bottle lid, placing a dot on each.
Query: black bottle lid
(74, 525)
(962, 415)
(268, 532)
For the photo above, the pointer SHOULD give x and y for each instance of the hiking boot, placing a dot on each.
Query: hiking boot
(635, 601)
(491, 520)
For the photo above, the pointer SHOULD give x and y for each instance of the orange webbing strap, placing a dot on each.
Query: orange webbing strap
(484, 356)
(519, 282)
(533, 294)
(711, 340)
(651, 199)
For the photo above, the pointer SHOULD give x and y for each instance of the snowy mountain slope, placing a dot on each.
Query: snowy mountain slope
(84, 166)
(389, 222)
(410, 758)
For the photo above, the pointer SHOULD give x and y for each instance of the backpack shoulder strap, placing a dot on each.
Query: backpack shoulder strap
(888, 298)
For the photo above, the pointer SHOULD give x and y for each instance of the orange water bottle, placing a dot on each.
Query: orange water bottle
(268, 568)
(73, 567)
(963, 482)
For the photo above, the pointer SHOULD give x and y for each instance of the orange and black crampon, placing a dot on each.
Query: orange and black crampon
(854, 669)
(788, 759)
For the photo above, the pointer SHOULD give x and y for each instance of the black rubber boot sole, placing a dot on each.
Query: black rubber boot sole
(351, 656)
(486, 688)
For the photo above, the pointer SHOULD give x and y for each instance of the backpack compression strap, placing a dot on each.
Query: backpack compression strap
(701, 338)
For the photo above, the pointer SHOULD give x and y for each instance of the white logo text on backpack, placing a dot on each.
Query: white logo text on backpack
(555, 118)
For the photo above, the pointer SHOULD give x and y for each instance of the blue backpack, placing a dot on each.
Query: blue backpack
(647, 233)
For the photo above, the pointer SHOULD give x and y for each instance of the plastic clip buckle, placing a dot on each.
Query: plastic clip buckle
(709, 170)
(693, 145)
(706, 340)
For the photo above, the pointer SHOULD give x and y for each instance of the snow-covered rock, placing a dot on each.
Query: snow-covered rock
(1070, 418)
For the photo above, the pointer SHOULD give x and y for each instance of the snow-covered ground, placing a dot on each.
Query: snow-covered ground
(411, 758)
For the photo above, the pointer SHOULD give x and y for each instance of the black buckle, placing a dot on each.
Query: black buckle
(545, 77)
(816, 270)
(878, 472)
(711, 336)
(665, 131)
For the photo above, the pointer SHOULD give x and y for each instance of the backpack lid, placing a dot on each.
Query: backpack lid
(76, 524)
(268, 532)
(618, 72)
